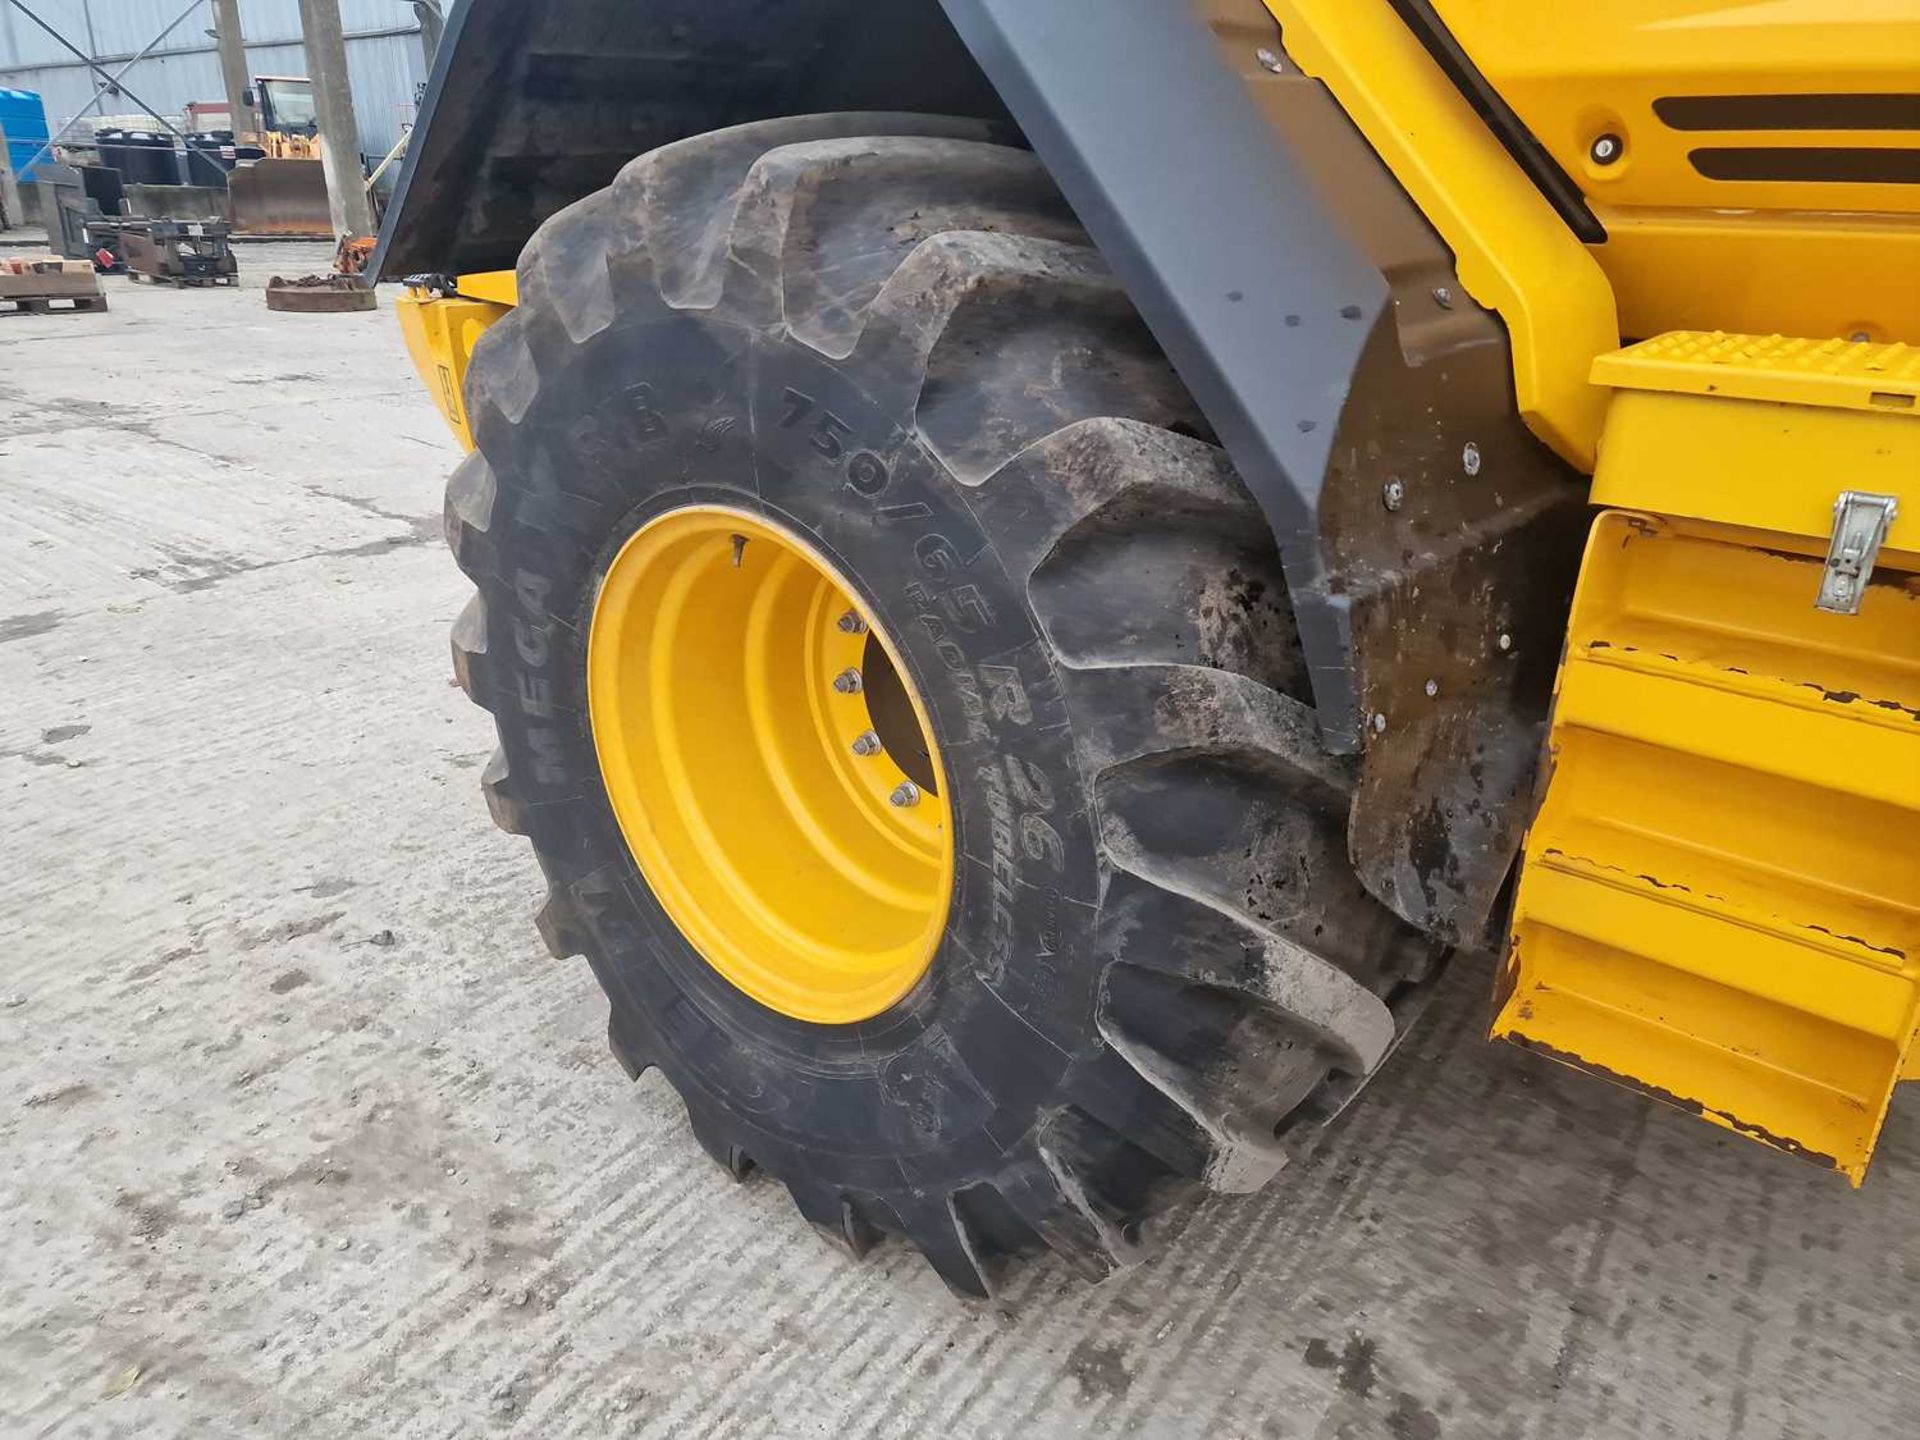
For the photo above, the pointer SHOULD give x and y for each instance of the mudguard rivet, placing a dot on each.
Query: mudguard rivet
(905, 793)
(866, 743)
(848, 681)
(1270, 61)
(1607, 149)
(1392, 494)
(1470, 458)
(1379, 723)
(1432, 687)
(1443, 297)
(852, 623)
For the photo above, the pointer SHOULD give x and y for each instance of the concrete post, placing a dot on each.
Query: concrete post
(432, 25)
(10, 215)
(333, 109)
(234, 71)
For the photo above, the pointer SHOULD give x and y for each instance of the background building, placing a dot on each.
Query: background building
(385, 58)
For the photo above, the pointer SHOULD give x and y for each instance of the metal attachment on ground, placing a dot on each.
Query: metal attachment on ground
(1470, 458)
(905, 793)
(1270, 61)
(848, 681)
(167, 252)
(1443, 297)
(351, 255)
(852, 623)
(320, 294)
(1607, 149)
(1393, 494)
(1860, 524)
(866, 743)
(1432, 687)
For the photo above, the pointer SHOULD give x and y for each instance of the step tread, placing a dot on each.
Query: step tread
(1846, 374)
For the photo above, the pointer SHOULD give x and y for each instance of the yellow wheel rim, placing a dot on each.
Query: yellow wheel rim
(770, 764)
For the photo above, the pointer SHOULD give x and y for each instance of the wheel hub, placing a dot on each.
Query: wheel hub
(769, 763)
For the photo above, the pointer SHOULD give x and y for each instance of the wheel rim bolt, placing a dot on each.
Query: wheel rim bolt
(866, 743)
(905, 793)
(847, 682)
(852, 624)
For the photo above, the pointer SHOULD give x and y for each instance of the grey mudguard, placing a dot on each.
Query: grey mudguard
(1259, 296)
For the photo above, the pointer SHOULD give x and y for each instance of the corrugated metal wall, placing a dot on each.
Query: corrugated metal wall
(384, 59)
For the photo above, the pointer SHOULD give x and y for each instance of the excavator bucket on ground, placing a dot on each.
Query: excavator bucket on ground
(279, 197)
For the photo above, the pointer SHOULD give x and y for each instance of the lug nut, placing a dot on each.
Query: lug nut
(852, 623)
(1470, 458)
(1432, 687)
(866, 743)
(848, 681)
(1393, 494)
(905, 793)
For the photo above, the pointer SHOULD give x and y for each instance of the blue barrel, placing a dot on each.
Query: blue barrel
(24, 119)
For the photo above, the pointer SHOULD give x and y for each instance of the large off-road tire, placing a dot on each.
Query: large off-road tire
(889, 336)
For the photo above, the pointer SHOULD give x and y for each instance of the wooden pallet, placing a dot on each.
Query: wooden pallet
(182, 282)
(48, 304)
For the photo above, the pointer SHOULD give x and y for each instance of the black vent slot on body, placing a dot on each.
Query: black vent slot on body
(1808, 163)
(1789, 112)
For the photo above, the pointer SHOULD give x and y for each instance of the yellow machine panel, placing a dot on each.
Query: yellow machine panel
(1515, 255)
(440, 332)
(1745, 159)
(1720, 900)
(1723, 104)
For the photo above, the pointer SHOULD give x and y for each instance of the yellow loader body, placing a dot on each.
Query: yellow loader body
(1719, 897)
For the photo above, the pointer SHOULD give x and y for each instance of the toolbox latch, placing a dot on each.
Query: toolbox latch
(1861, 520)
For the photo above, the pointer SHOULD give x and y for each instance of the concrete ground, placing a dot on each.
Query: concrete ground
(304, 1134)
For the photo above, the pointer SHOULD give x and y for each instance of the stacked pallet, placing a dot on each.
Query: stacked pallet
(40, 284)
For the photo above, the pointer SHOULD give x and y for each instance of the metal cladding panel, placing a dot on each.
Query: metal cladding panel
(121, 27)
(384, 59)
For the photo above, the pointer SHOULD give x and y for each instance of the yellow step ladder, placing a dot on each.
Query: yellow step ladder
(1720, 896)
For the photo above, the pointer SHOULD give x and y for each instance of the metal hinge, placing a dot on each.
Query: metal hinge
(1860, 524)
